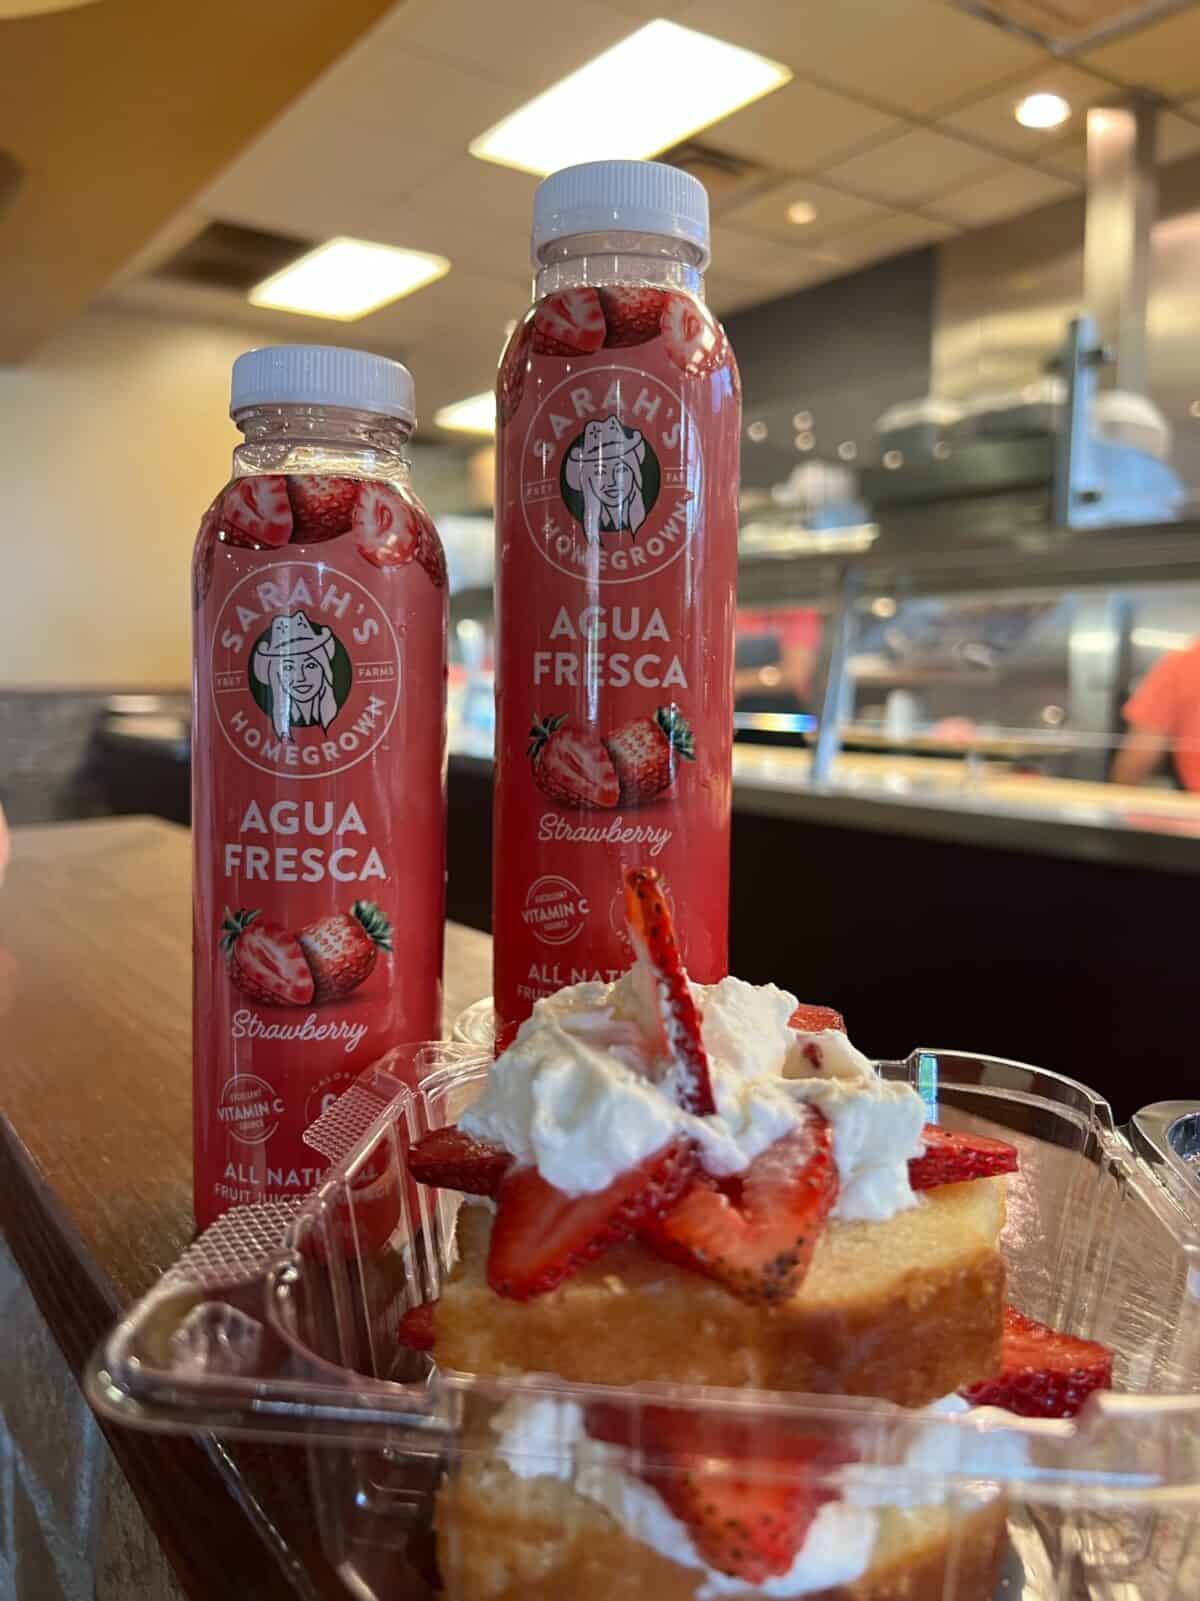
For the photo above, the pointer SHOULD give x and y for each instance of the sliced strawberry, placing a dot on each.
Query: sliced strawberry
(570, 764)
(514, 365)
(456, 1161)
(633, 313)
(322, 506)
(954, 1158)
(653, 936)
(256, 511)
(1043, 1374)
(692, 336)
(265, 960)
(541, 1234)
(386, 528)
(747, 1489)
(416, 1327)
(570, 323)
(758, 1243)
(808, 1019)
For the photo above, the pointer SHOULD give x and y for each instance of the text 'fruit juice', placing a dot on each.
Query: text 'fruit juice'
(619, 417)
(318, 765)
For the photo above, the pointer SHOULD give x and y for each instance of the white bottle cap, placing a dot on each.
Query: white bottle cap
(625, 197)
(322, 375)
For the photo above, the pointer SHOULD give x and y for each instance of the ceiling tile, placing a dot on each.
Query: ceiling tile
(516, 41)
(908, 170)
(767, 213)
(442, 103)
(992, 120)
(915, 56)
(1165, 56)
(890, 236)
(1177, 137)
(1004, 194)
(800, 127)
(762, 260)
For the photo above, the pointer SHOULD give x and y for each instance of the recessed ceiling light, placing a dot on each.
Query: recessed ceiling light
(347, 278)
(801, 211)
(475, 415)
(1042, 111)
(653, 89)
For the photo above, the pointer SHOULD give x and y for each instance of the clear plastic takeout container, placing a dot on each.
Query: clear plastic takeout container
(279, 1324)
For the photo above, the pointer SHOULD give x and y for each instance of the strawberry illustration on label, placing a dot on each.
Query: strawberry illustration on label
(430, 554)
(646, 753)
(692, 337)
(571, 765)
(256, 511)
(342, 949)
(205, 553)
(633, 313)
(386, 528)
(322, 507)
(264, 960)
(569, 324)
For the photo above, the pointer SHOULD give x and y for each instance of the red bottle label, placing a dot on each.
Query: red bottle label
(616, 570)
(318, 828)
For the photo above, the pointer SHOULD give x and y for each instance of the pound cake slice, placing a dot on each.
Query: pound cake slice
(906, 1310)
(504, 1538)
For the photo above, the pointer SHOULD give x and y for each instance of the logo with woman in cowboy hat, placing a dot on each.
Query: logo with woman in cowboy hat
(610, 478)
(300, 674)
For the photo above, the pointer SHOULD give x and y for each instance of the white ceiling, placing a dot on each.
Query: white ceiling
(898, 127)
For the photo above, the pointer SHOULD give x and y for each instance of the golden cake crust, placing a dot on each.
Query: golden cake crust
(501, 1538)
(906, 1310)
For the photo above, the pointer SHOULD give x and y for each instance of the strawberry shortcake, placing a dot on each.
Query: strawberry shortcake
(709, 1186)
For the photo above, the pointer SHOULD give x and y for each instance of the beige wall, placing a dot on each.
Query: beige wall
(113, 439)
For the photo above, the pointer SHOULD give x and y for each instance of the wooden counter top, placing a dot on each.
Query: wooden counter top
(95, 1158)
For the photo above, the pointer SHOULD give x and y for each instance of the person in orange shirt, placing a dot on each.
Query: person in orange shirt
(1163, 714)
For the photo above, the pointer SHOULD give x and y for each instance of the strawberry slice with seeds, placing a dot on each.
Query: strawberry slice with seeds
(692, 336)
(808, 1019)
(570, 323)
(455, 1160)
(322, 506)
(955, 1158)
(1043, 1374)
(757, 1237)
(633, 313)
(256, 511)
(387, 531)
(541, 1235)
(416, 1327)
(747, 1489)
(653, 935)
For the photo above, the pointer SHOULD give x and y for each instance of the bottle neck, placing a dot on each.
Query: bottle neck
(618, 258)
(320, 439)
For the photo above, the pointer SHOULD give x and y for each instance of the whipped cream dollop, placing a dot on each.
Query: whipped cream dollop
(576, 1094)
(543, 1437)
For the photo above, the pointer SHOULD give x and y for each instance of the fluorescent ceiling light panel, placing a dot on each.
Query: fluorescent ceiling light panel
(347, 278)
(475, 415)
(655, 88)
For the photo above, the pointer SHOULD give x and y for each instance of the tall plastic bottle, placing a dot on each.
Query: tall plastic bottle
(619, 410)
(318, 763)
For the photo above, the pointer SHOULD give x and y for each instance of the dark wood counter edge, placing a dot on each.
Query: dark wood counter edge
(1113, 846)
(79, 1306)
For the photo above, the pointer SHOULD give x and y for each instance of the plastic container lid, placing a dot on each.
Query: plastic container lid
(628, 196)
(322, 375)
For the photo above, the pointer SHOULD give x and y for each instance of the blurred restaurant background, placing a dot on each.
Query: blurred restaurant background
(957, 253)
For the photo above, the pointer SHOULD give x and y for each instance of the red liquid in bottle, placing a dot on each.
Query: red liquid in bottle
(318, 766)
(616, 510)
